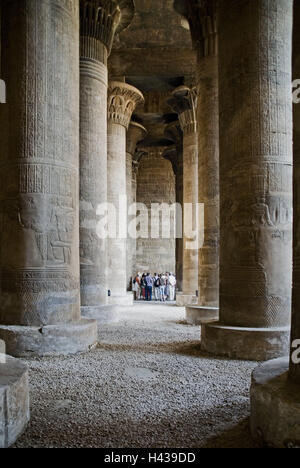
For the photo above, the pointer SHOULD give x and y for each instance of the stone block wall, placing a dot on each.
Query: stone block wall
(156, 184)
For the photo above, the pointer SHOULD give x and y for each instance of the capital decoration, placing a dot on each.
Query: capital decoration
(136, 133)
(122, 101)
(184, 103)
(101, 19)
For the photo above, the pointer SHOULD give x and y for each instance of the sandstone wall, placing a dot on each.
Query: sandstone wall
(156, 184)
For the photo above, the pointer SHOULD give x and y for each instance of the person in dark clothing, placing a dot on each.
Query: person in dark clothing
(149, 287)
(144, 286)
(156, 281)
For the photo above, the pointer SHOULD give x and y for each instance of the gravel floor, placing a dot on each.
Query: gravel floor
(146, 385)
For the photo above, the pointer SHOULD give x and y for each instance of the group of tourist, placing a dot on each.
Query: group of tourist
(163, 286)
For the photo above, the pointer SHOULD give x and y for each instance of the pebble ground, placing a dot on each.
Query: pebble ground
(147, 385)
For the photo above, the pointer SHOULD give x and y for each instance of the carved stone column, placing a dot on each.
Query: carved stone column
(175, 155)
(295, 366)
(136, 133)
(275, 405)
(139, 154)
(255, 180)
(99, 21)
(39, 172)
(203, 25)
(122, 100)
(135, 170)
(184, 103)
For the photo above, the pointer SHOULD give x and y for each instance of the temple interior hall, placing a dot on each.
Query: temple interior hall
(157, 138)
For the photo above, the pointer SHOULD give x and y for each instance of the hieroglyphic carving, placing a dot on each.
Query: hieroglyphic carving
(47, 179)
(295, 335)
(202, 18)
(38, 281)
(135, 134)
(39, 164)
(294, 368)
(184, 103)
(255, 165)
(93, 180)
(122, 101)
(174, 154)
(156, 184)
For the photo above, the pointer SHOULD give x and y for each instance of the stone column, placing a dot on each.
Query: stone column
(134, 172)
(175, 155)
(295, 367)
(255, 180)
(208, 162)
(98, 23)
(135, 134)
(203, 25)
(275, 405)
(139, 154)
(122, 101)
(39, 171)
(185, 104)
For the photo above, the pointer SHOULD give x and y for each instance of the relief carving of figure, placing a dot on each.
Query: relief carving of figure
(60, 236)
(22, 226)
(261, 213)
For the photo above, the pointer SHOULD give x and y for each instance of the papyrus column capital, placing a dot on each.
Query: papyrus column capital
(99, 21)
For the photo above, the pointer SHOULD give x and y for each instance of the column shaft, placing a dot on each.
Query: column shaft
(174, 153)
(208, 170)
(130, 241)
(39, 180)
(96, 37)
(184, 104)
(135, 165)
(122, 102)
(295, 368)
(179, 241)
(275, 407)
(116, 180)
(135, 134)
(93, 181)
(255, 180)
(190, 200)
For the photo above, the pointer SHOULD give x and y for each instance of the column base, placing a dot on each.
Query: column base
(183, 300)
(250, 344)
(14, 400)
(51, 340)
(103, 314)
(199, 315)
(275, 406)
(122, 300)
